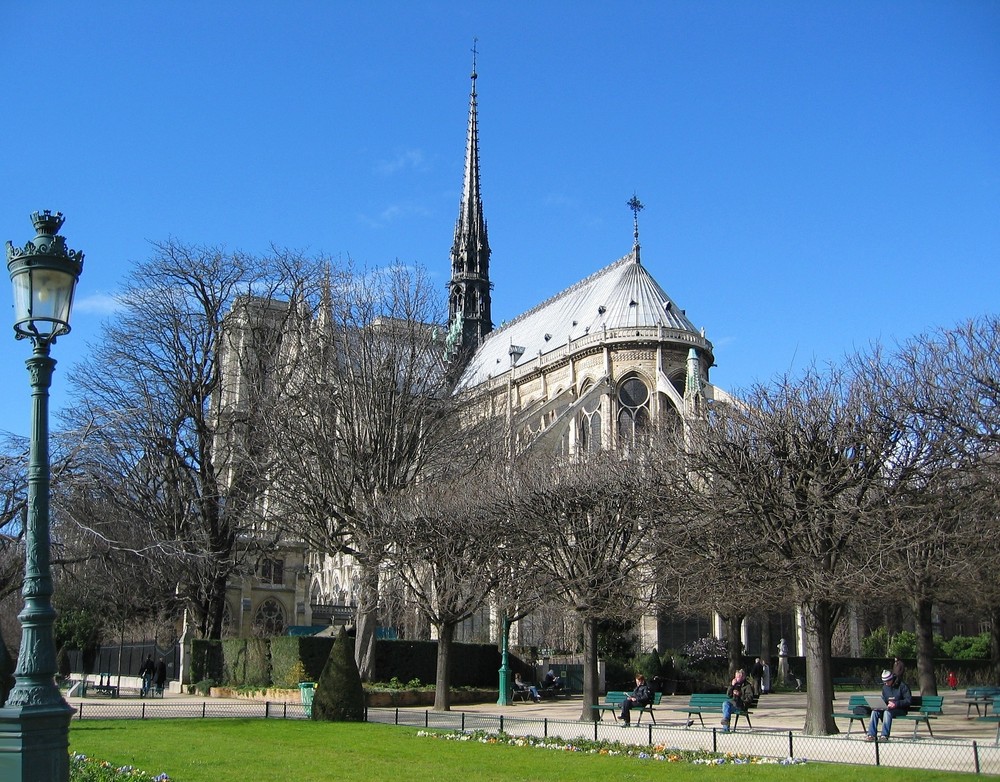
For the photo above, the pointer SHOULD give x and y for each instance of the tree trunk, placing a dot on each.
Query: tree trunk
(591, 680)
(216, 608)
(765, 638)
(923, 617)
(366, 622)
(995, 641)
(442, 686)
(818, 626)
(734, 643)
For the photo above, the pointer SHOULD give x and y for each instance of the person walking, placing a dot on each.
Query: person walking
(146, 672)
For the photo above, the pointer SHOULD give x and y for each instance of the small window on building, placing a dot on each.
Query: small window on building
(272, 571)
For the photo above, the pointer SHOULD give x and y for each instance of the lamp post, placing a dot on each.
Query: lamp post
(504, 694)
(34, 723)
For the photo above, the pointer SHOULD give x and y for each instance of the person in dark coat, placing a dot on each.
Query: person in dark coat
(147, 672)
(641, 696)
(160, 679)
(898, 699)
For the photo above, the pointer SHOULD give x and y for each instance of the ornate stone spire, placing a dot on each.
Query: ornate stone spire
(469, 289)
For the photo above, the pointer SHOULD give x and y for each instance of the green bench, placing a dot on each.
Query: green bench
(994, 717)
(979, 696)
(856, 700)
(705, 702)
(847, 681)
(923, 710)
(613, 702)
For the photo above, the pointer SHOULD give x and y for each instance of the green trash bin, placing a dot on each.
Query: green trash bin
(306, 690)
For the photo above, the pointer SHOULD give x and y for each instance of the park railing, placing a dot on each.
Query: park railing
(923, 753)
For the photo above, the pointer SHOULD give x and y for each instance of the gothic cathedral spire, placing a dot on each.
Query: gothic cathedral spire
(469, 289)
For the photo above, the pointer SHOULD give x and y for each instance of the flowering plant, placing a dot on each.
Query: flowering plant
(84, 769)
(613, 748)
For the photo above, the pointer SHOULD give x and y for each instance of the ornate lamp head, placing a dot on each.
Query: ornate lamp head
(44, 274)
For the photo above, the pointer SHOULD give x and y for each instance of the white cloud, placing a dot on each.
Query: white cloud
(97, 304)
(409, 159)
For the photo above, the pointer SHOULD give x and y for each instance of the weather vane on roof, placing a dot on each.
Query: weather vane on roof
(636, 206)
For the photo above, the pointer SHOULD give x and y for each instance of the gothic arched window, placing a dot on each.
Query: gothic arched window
(269, 619)
(590, 425)
(633, 407)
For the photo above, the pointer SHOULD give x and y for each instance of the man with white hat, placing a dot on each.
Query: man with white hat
(897, 697)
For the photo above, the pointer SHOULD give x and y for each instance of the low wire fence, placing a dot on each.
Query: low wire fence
(923, 753)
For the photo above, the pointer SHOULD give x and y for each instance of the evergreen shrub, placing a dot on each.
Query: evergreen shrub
(339, 695)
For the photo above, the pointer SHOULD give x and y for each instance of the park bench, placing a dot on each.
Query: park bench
(854, 702)
(105, 687)
(994, 717)
(704, 702)
(520, 695)
(923, 710)
(613, 702)
(979, 696)
(847, 681)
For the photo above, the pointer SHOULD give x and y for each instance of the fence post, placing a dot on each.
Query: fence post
(397, 715)
(463, 722)
(649, 731)
(203, 705)
(143, 711)
(975, 755)
(545, 727)
(791, 748)
(715, 740)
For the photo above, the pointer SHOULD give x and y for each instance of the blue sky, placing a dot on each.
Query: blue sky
(816, 175)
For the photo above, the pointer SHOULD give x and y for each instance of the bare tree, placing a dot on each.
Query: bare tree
(955, 377)
(177, 391)
(593, 513)
(797, 462)
(447, 550)
(922, 509)
(709, 560)
(369, 418)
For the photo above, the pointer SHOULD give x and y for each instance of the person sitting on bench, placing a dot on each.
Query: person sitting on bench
(738, 696)
(898, 699)
(641, 696)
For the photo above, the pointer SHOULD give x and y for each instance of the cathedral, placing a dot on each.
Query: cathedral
(582, 370)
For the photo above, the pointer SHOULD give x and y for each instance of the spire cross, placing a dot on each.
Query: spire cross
(475, 52)
(636, 206)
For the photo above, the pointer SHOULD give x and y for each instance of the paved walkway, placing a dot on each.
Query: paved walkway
(777, 711)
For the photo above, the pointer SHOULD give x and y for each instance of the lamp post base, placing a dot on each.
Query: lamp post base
(34, 743)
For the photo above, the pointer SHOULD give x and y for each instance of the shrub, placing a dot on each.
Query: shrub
(876, 643)
(967, 647)
(339, 695)
(705, 650)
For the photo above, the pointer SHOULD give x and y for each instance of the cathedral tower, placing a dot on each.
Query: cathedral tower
(469, 289)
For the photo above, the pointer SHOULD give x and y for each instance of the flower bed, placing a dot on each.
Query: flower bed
(656, 752)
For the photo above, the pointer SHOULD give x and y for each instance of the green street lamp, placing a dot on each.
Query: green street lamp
(504, 686)
(34, 723)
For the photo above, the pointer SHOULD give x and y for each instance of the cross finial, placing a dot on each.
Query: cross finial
(475, 51)
(636, 206)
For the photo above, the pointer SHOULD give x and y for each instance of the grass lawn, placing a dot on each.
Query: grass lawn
(302, 751)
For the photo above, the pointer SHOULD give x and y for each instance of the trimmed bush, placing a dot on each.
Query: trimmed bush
(339, 695)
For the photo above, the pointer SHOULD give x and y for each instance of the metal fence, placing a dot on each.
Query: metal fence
(924, 753)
